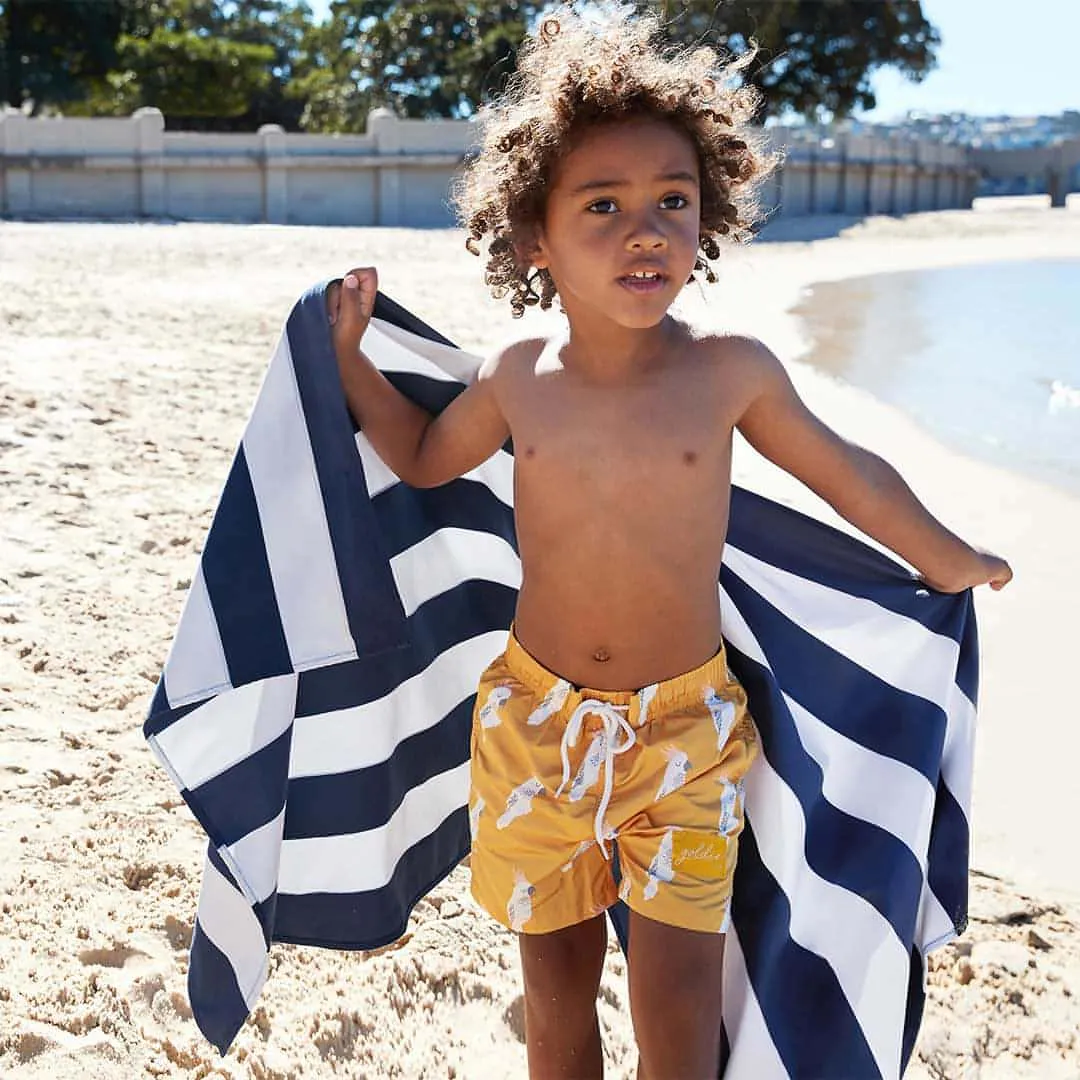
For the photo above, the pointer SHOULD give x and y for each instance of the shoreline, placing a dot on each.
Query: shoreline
(129, 358)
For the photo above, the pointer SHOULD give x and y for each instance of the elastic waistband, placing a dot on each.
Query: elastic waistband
(665, 696)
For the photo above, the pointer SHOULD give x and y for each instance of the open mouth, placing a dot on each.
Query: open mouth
(644, 281)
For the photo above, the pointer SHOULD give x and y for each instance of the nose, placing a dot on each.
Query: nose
(647, 235)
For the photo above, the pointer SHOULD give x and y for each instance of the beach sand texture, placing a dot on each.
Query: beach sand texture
(129, 358)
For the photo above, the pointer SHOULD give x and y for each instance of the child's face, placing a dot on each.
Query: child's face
(625, 198)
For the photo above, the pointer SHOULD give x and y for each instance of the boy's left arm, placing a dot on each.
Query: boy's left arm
(859, 485)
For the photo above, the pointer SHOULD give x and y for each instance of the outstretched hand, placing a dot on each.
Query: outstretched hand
(349, 306)
(983, 568)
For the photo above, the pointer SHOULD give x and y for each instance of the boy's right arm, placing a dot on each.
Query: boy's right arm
(424, 451)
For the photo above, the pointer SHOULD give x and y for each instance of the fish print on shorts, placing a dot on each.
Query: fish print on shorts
(552, 702)
(519, 909)
(497, 697)
(519, 801)
(678, 769)
(660, 869)
(723, 715)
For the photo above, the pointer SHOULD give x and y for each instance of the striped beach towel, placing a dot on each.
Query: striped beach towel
(314, 711)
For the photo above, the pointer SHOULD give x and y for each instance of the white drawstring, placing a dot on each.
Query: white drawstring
(614, 722)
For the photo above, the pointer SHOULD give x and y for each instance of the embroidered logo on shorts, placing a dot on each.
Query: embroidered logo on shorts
(701, 855)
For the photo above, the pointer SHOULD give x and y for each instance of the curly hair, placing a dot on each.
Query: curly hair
(576, 73)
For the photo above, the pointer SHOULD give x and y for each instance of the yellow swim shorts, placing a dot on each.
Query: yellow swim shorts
(562, 778)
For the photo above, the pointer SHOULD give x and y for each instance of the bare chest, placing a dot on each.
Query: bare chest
(624, 444)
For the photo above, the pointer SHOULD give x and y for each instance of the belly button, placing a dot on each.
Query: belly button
(601, 656)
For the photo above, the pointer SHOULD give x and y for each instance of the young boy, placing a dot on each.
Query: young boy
(611, 723)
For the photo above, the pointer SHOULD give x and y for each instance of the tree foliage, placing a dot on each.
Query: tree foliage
(50, 50)
(421, 58)
(816, 57)
(235, 64)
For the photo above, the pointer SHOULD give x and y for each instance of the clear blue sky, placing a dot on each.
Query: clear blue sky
(996, 56)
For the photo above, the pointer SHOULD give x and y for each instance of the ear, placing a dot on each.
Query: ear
(531, 249)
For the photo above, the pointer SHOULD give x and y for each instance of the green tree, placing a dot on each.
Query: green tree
(816, 57)
(211, 64)
(51, 49)
(422, 58)
(186, 75)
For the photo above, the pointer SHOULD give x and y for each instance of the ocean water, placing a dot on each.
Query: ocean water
(986, 358)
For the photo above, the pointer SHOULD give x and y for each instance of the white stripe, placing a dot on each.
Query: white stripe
(868, 785)
(496, 474)
(257, 856)
(934, 927)
(378, 476)
(753, 1052)
(360, 862)
(958, 753)
(448, 557)
(366, 735)
(196, 665)
(909, 656)
(228, 729)
(293, 517)
(391, 348)
(226, 918)
(870, 963)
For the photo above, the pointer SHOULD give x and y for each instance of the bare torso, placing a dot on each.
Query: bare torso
(621, 497)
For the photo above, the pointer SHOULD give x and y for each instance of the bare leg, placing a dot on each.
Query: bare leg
(676, 981)
(562, 976)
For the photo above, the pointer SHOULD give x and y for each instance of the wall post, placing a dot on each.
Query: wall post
(150, 159)
(15, 151)
(385, 128)
(275, 175)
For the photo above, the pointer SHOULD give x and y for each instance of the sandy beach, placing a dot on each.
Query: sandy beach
(129, 358)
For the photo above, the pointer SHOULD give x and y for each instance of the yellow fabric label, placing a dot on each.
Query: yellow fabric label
(699, 854)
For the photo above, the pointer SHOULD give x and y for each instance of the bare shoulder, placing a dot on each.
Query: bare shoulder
(741, 366)
(739, 351)
(511, 358)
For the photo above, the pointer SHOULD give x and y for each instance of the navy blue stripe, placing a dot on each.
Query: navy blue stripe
(792, 541)
(162, 715)
(947, 857)
(362, 799)
(263, 911)
(245, 796)
(470, 609)
(392, 312)
(913, 1012)
(216, 1002)
(838, 691)
(967, 668)
(855, 854)
(372, 606)
(239, 584)
(808, 1016)
(368, 920)
(409, 515)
